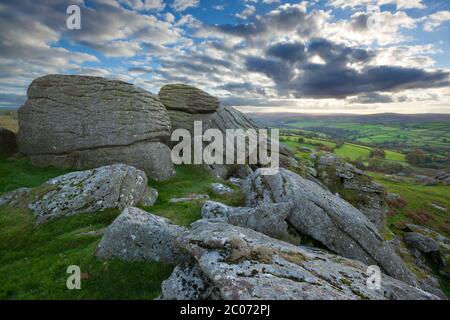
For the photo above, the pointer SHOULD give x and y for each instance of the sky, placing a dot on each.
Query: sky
(319, 56)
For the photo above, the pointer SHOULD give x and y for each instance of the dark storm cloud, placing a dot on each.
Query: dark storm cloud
(286, 18)
(292, 52)
(335, 78)
(275, 69)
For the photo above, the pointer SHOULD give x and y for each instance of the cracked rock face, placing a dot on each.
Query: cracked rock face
(246, 265)
(137, 235)
(85, 122)
(117, 186)
(328, 219)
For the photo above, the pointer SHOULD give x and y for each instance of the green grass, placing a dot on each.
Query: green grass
(353, 152)
(419, 198)
(15, 174)
(34, 259)
(189, 180)
(395, 156)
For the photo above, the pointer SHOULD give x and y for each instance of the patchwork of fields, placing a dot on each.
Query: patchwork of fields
(414, 135)
(347, 150)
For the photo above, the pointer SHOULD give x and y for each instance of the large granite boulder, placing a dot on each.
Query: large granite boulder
(354, 186)
(186, 104)
(7, 141)
(239, 263)
(327, 218)
(137, 235)
(269, 219)
(116, 186)
(85, 122)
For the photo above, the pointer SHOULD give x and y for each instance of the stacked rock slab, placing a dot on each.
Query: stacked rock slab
(186, 104)
(86, 122)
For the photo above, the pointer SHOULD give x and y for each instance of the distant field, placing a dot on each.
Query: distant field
(412, 135)
(9, 123)
(347, 150)
(353, 152)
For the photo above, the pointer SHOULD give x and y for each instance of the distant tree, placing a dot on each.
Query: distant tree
(301, 140)
(339, 143)
(417, 157)
(377, 153)
(322, 147)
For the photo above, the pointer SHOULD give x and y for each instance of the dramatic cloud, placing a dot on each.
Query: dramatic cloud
(323, 55)
(338, 76)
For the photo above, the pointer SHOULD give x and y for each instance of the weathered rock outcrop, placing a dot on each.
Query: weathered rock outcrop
(326, 218)
(354, 186)
(7, 141)
(186, 104)
(188, 282)
(239, 263)
(116, 186)
(85, 122)
(229, 118)
(426, 243)
(269, 219)
(137, 235)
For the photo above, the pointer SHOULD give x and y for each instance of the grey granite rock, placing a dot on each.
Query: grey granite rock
(117, 186)
(246, 265)
(328, 219)
(188, 282)
(149, 197)
(137, 235)
(85, 122)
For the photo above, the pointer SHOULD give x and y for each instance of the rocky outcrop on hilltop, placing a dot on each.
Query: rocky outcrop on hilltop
(327, 218)
(187, 104)
(229, 118)
(235, 263)
(7, 141)
(86, 122)
(353, 185)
